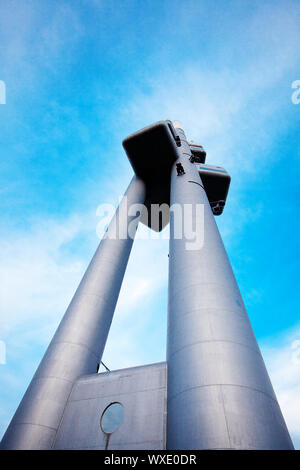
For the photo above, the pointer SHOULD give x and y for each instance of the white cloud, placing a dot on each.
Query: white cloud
(214, 110)
(37, 276)
(282, 357)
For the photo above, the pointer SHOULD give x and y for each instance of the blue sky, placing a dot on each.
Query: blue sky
(82, 75)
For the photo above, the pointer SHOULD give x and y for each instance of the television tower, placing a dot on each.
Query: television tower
(213, 390)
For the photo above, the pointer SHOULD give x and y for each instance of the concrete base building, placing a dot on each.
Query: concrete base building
(213, 391)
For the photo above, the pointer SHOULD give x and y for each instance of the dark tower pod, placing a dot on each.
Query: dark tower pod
(152, 152)
(216, 183)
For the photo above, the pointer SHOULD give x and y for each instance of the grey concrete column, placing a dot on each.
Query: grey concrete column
(219, 392)
(79, 341)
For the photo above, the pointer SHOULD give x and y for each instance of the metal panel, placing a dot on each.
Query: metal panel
(141, 391)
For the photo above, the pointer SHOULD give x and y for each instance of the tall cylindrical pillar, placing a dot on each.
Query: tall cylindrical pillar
(79, 341)
(219, 392)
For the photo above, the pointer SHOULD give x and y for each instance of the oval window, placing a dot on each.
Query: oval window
(112, 417)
